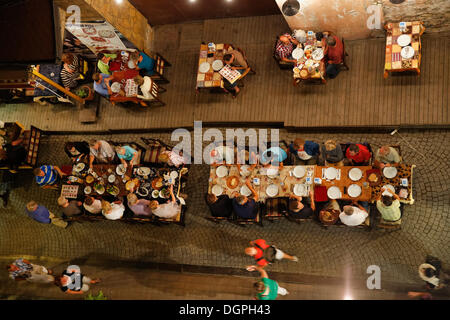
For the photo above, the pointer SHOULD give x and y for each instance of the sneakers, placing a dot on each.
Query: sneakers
(295, 259)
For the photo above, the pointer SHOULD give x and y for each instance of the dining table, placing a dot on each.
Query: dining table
(403, 47)
(310, 64)
(343, 181)
(403, 180)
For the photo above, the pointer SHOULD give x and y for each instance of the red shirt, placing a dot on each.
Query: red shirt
(362, 156)
(336, 53)
(262, 243)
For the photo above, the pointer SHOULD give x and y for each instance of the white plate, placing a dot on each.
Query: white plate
(404, 40)
(217, 65)
(355, 174)
(297, 53)
(120, 170)
(299, 171)
(111, 178)
(72, 179)
(272, 173)
(87, 190)
(272, 190)
(387, 193)
(333, 192)
(331, 173)
(217, 190)
(204, 67)
(309, 63)
(245, 170)
(317, 54)
(308, 47)
(354, 190)
(155, 193)
(79, 167)
(389, 172)
(245, 191)
(300, 190)
(174, 175)
(221, 171)
(143, 171)
(407, 52)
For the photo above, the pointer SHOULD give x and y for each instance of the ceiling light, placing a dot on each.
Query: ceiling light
(290, 8)
(397, 1)
(192, 0)
(119, 1)
(348, 297)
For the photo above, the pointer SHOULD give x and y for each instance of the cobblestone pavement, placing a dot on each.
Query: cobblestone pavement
(335, 252)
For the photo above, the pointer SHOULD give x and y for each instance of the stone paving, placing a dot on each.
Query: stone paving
(337, 252)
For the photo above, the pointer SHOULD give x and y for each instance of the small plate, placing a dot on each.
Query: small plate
(221, 171)
(174, 175)
(333, 192)
(245, 191)
(300, 190)
(155, 194)
(387, 193)
(272, 190)
(111, 178)
(389, 172)
(120, 170)
(245, 170)
(299, 172)
(217, 190)
(87, 190)
(355, 174)
(204, 67)
(272, 173)
(331, 173)
(143, 171)
(143, 192)
(407, 52)
(308, 47)
(404, 40)
(79, 167)
(72, 179)
(297, 53)
(354, 190)
(217, 65)
(317, 54)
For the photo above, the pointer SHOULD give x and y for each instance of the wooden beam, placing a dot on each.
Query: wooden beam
(57, 86)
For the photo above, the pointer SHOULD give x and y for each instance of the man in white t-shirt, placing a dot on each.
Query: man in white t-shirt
(353, 215)
(101, 151)
(92, 205)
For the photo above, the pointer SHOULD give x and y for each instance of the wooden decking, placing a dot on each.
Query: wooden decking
(359, 97)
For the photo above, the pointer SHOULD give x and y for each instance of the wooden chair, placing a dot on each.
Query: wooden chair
(243, 222)
(275, 209)
(344, 58)
(380, 223)
(154, 94)
(160, 66)
(281, 64)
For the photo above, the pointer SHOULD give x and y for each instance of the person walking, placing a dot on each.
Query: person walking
(265, 254)
(266, 289)
(22, 269)
(72, 281)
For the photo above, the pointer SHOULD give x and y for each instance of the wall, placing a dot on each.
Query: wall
(435, 14)
(347, 18)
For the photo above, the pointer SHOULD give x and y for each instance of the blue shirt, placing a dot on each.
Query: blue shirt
(49, 177)
(247, 210)
(129, 152)
(278, 155)
(41, 214)
(147, 64)
(310, 147)
(101, 87)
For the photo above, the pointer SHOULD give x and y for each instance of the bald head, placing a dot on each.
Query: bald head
(250, 251)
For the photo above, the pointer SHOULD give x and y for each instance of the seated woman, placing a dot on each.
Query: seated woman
(219, 206)
(144, 63)
(168, 210)
(301, 208)
(112, 211)
(304, 152)
(69, 72)
(332, 154)
(77, 151)
(127, 153)
(140, 207)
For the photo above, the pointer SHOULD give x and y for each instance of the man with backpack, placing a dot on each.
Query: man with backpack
(265, 254)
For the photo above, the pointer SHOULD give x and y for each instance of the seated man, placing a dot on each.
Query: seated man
(274, 156)
(100, 151)
(127, 153)
(332, 154)
(220, 206)
(144, 63)
(168, 210)
(140, 207)
(305, 152)
(265, 254)
(230, 60)
(353, 215)
(103, 62)
(386, 156)
(300, 207)
(47, 175)
(12, 155)
(101, 86)
(92, 205)
(358, 155)
(77, 151)
(284, 48)
(388, 208)
(69, 208)
(335, 52)
(246, 207)
(112, 211)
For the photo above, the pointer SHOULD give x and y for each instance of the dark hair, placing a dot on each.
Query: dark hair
(89, 200)
(319, 36)
(69, 146)
(429, 272)
(387, 200)
(227, 57)
(353, 148)
(259, 286)
(210, 198)
(331, 41)
(96, 76)
(100, 56)
(269, 154)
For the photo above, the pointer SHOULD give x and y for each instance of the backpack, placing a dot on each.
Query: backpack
(268, 254)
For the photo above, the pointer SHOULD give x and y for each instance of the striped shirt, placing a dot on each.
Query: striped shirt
(67, 77)
(49, 176)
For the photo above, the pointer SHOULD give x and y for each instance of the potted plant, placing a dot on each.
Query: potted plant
(85, 92)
